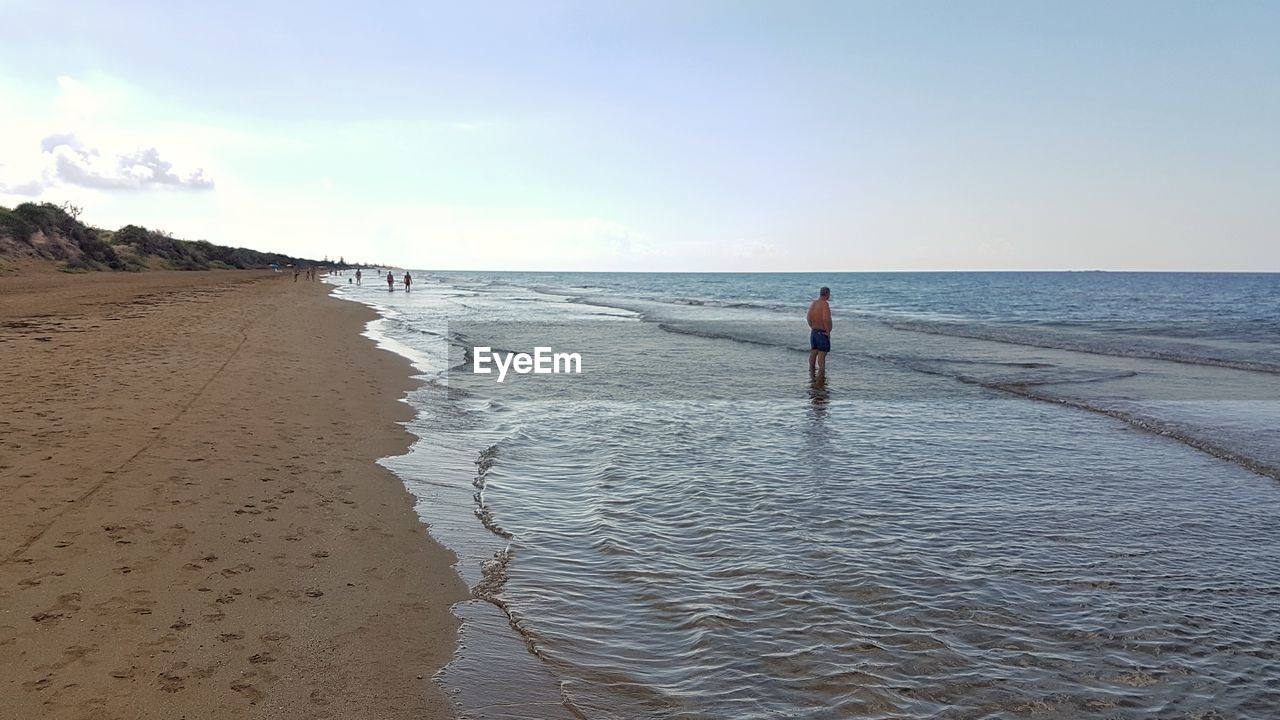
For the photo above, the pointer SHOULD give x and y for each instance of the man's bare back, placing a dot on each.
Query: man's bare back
(819, 316)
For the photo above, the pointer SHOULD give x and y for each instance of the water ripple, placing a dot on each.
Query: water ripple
(921, 578)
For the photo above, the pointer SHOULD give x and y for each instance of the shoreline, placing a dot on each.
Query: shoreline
(200, 524)
(444, 482)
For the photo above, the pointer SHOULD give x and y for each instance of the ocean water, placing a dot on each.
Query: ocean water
(1013, 495)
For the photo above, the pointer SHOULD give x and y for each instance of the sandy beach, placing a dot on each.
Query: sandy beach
(193, 523)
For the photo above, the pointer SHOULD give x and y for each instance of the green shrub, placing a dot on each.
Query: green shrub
(15, 226)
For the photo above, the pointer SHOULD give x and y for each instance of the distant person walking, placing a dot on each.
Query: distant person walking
(295, 274)
(408, 282)
(819, 318)
(357, 276)
(391, 282)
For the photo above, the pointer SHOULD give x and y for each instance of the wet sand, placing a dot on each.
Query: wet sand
(192, 521)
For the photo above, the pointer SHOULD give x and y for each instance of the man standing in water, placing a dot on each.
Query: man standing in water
(357, 276)
(819, 318)
(408, 282)
(391, 282)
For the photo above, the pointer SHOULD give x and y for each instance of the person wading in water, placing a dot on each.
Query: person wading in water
(819, 318)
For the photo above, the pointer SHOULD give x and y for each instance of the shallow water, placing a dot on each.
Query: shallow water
(1040, 507)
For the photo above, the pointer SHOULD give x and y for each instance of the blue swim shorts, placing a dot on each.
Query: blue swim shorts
(820, 341)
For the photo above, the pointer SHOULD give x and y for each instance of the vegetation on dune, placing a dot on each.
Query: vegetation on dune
(194, 254)
(13, 225)
(52, 232)
(64, 238)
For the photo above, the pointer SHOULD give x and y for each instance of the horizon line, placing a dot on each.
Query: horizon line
(831, 272)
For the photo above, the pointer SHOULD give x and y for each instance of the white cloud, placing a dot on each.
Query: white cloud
(74, 146)
(142, 169)
(21, 188)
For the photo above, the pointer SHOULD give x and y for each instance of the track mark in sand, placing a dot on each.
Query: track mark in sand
(68, 604)
(170, 680)
(37, 685)
(247, 689)
(161, 428)
(37, 579)
(70, 655)
(236, 570)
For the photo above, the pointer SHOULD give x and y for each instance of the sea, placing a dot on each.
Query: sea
(1011, 495)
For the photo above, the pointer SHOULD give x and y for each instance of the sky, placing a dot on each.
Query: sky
(661, 136)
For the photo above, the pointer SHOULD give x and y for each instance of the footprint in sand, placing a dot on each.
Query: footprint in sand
(70, 655)
(250, 693)
(68, 604)
(200, 562)
(236, 570)
(37, 579)
(171, 681)
(37, 685)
